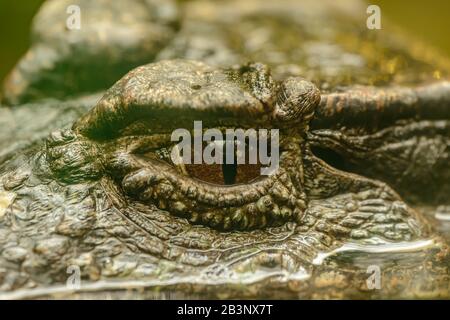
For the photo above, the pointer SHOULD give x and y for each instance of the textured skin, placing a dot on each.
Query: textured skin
(113, 36)
(81, 196)
(95, 194)
(419, 166)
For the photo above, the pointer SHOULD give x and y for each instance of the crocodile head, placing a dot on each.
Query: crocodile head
(132, 125)
(105, 197)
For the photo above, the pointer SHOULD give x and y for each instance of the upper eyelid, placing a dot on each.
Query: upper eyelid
(156, 141)
(142, 147)
(144, 144)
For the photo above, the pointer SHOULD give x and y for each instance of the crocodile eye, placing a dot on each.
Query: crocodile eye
(216, 162)
(223, 173)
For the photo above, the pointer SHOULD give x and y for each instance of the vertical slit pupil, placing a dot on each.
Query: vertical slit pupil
(229, 171)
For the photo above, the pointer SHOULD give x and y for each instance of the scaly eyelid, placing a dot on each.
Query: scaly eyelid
(143, 144)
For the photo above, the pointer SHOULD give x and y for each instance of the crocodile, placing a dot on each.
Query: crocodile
(364, 156)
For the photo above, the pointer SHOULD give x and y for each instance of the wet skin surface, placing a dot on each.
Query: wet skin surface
(98, 195)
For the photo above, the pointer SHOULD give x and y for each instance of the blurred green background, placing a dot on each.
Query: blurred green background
(428, 20)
